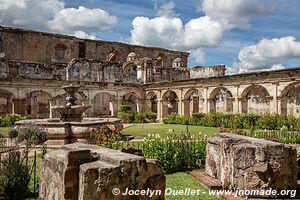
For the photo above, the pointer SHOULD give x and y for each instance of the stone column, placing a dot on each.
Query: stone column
(137, 107)
(236, 101)
(206, 106)
(50, 110)
(240, 105)
(118, 101)
(274, 106)
(12, 106)
(159, 110)
(180, 107)
(111, 108)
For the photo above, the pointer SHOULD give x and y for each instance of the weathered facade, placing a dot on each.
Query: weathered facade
(34, 66)
(80, 171)
(246, 163)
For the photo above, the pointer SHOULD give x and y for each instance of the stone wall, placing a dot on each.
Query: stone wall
(208, 71)
(246, 163)
(33, 46)
(80, 171)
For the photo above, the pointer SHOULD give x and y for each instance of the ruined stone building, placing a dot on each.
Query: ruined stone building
(34, 66)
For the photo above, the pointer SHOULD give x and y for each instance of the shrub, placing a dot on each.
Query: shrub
(151, 116)
(15, 170)
(249, 120)
(13, 133)
(139, 118)
(10, 119)
(31, 134)
(14, 176)
(176, 152)
(267, 121)
(124, 108)
(171, 119)
(126, 117)
(214, 119)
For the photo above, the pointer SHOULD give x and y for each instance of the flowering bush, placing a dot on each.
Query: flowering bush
(31, 134)
(106, 137)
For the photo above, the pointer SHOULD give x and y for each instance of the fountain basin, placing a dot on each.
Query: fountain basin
(64, 132)
(71, 113)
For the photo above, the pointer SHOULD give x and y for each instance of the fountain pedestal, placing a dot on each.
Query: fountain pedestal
(71, 127)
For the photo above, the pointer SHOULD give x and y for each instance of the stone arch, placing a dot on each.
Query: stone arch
(177, 62)
(6, 102)
(160, 60)
(193, 102)
(151, 102)
(255, 99)
(103, 105)
(112, 56)
(290, 100)
(221, 100)
(169, 103)
(61, 53)
(132, 100)
(37, 102)
(130, 73)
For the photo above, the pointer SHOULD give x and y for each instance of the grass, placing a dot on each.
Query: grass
(4, 131)
(38, 165)
(181, 181)
(142, 130)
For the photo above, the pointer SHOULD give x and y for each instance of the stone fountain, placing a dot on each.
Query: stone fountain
(71, 112)
(71, 127)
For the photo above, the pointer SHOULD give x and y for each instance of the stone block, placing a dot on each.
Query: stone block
(242, 162)
(81, 171)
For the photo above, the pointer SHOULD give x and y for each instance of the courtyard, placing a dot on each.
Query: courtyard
(128, 100)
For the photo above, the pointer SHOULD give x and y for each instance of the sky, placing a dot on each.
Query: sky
(245, 35)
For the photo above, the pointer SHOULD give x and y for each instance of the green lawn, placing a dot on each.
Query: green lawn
(4, 131)
(38, 165)
(181, 181)
(142, 130)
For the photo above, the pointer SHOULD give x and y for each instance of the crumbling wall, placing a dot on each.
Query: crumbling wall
(246, 163)
(28, 70)
(209, 71)
(80, 171)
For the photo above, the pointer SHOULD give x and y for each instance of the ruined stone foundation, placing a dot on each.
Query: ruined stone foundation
(246, 163)
(89, 172)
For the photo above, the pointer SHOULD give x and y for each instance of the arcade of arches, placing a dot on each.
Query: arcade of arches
(264, 94)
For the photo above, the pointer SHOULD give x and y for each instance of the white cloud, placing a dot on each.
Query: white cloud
(84, 35)
(268, 54)
(166, 9)
(29, 13)
(236, 12)
(168, 31)
(198, 55)
(51, 15)
(72, 19)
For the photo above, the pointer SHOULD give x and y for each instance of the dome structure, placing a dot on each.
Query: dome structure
(131, 56)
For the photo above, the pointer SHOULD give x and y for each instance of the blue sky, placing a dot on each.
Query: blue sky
(259, 26)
